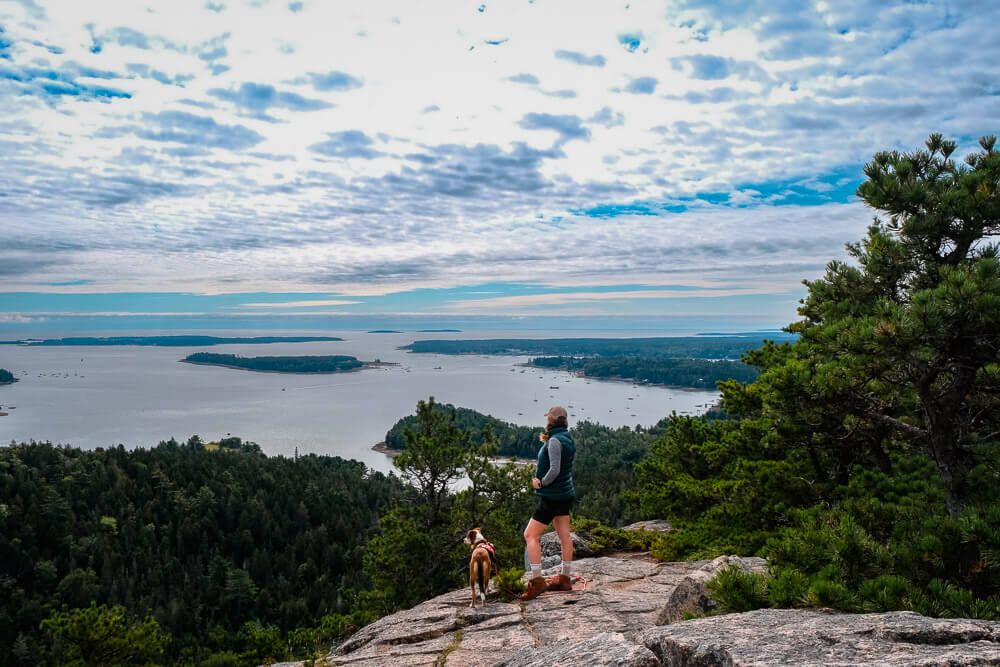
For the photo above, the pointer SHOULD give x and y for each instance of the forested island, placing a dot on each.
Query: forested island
(666, 371)
(691, 362)
(6, 377)
(510, 439)
(384, 331)
(168, 341)
(299, 364)
(692, 347)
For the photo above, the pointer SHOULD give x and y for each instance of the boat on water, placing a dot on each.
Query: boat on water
(553, 387)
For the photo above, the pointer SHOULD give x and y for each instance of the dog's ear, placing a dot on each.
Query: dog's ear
(471, 535)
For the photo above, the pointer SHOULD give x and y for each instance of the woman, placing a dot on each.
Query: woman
(553, 484)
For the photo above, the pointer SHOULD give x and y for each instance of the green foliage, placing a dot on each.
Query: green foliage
(103, 636)
(304, 364)
(510, 582)
(668, 371)
(603, 471)
(509, 439)
(886, 592)
(420, 540)
(863, 461)
(787, 588)
(735, 590)
(603, 538)
(204, 541)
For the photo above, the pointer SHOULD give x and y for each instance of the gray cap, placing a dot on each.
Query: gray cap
(556, 411)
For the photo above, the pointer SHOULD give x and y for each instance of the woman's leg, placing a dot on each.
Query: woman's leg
(532, 538)
(561, 524)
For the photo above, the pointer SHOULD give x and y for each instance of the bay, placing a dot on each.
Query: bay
(102, 396)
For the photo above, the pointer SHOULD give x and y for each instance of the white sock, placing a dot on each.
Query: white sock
(536, 570)
(566, 567)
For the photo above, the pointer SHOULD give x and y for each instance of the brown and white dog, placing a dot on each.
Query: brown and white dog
(481, 564)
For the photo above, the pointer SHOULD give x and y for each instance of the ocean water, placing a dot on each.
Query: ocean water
(101, 396)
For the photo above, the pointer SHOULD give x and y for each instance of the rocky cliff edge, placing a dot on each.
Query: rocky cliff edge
(628, 611)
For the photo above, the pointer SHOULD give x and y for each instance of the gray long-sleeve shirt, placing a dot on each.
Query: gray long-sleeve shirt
(555, 461)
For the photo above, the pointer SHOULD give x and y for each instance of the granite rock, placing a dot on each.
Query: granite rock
(614, 615)
(810, 638)
(652, 526)
(607, 648)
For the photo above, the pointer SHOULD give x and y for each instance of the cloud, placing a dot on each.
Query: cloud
(128, 37)
(630, 40)
(644, 85)
(295, 7)
(565, 94)
(567, 126)
(712, 68)
(347, 144)
(258, 98)
(312, 303)
(740, 163)
(529, 79)
(70, 80)
(334, 80)
(187, 128)
(578, 58)
(607, 117)
(147, 72)
(6, 45)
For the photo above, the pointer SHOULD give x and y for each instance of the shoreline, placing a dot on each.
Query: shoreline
(383, 448)
(633, 382)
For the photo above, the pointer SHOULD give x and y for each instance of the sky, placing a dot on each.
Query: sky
(310, 162)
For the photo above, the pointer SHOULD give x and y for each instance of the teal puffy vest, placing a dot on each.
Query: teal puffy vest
(561, 487)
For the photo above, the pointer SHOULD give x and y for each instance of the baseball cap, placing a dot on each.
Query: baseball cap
(556, 411)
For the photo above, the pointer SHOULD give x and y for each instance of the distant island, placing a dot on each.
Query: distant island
(305, 364)
(167, 341)
(6, 377)
(689, 362)
(691, 347)
(662, 371)
(384, 331)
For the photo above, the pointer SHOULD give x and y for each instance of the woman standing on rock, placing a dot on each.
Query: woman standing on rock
(553, 484)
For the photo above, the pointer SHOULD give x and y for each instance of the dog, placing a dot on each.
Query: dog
(482, 564)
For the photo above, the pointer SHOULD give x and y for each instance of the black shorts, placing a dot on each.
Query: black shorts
(547, 509)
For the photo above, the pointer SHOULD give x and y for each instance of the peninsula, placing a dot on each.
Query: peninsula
(689, 362)
(303, 364)
(167, 341)
(689, 347)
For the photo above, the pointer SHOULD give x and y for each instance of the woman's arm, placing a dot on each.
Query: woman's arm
(555, 461)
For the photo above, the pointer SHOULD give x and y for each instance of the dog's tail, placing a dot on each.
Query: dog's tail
(481, 578)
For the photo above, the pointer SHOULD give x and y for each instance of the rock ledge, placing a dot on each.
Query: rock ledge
(616, 615)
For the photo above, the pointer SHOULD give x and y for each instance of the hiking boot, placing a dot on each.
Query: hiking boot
(559, 582)
(536, 587)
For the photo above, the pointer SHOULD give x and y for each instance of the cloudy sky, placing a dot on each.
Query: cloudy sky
(582, 158)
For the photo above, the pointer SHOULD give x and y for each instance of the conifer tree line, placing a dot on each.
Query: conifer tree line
(863, 461)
